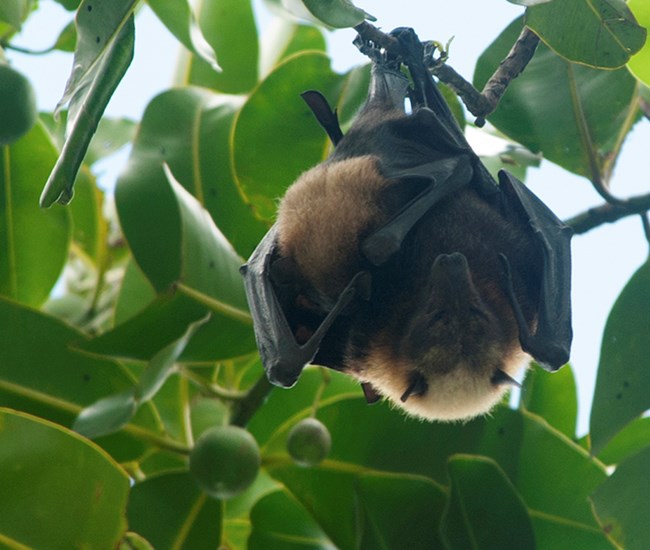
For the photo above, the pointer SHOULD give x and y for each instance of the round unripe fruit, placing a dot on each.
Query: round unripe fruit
(225, 461)
(309, 442)
(17, 105)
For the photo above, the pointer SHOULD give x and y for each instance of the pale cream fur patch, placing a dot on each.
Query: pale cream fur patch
(463, 393)
(321, 216)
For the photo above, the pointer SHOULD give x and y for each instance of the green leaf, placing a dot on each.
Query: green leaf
(264, 132)
(178, 17)
(105, 39)
(553, 396)
(337, 13)
(598, 33)
(279, 522)
(170, 511)
(189, 129)
(111, 135)
(112, 413)
(42, 375)
(622, 503)
(34, 243)
(483, 502)
(56, 480)
(136, 293)
(284, 38)
(639, 64)
(164, 320)
(392, 443)
(229, 27)
(178, 245)
(355, 505)
(621, 385)
(15, 12)
(629, 441)
(67, 39)
(594, 108)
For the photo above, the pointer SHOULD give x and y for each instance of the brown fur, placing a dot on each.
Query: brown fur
(322, 217)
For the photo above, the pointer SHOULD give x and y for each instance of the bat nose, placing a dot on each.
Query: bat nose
(454, 264)
(451, 283)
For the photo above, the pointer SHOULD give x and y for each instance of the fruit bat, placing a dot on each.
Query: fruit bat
(400, 260)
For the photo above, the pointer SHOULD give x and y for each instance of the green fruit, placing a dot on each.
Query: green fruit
(17, 105)
(225, 461)
(309, 442)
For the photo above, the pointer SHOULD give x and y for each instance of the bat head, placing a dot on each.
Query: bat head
(455, 359)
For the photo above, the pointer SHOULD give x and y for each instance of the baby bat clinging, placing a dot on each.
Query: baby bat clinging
(400, 261)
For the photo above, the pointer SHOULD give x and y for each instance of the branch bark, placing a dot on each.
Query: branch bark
(609, 213)
(480, 104)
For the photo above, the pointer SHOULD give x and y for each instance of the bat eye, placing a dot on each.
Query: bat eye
(418, 386)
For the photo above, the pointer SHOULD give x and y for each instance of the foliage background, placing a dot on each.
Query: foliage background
(137, 359)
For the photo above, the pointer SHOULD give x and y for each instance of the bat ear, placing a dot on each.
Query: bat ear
(325, 115)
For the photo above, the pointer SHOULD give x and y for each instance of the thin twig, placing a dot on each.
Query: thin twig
(609, 213)
(244, 409)
(480, 104)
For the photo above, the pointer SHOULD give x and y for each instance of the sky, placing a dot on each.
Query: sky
(603, 259)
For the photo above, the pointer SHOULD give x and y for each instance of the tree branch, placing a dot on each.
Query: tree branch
(244, 409)
(480, 104)
(609, 213)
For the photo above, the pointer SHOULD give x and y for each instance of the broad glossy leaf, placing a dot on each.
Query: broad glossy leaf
(276, 124)
(164, 320)
(14, 12)
(482, 503)
(553, 397)
(576, 116)
(279, 522)
(352, 505)
(229, 27)
(189, 129)
(598, 33)
(112, 413)
(514, 439)
(553, 532)
(622, 503)
(629, 441)
(104, 52)
(178, 17)
(69, 4)
(283, 38)
(54, 479)
(90, 227)
(136, 293)
(337, 13)
(67, 39)
(639, 64)
(170, 511)
(111, 134)
(623, 377)
(42, 375)
(34, 243)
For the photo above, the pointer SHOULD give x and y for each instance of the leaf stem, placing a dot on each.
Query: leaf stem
(255, 397)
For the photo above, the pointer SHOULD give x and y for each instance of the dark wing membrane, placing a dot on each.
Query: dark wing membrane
(282, 356)
(551, 343)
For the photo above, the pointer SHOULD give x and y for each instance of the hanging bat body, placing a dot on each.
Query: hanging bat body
(400, 261)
